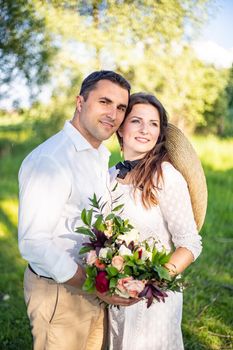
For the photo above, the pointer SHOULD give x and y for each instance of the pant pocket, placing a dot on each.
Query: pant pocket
(54, 304)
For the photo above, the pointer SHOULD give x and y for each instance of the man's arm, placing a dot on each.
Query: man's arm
(44, 190)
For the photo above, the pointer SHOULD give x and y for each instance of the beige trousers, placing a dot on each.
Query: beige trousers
(61, 316)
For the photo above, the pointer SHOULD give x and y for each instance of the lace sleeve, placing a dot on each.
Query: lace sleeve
(176, 208)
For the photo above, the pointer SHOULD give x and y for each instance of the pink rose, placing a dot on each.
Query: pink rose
(101, 282)
(118, 262)
(135, 287)
(121, 286)
(128, 287)
(91, 257)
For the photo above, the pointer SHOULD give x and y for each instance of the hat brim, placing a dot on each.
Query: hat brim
(184, 158)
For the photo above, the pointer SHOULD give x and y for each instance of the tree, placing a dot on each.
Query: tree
(143, 40)
(219, 118)
(26, 48)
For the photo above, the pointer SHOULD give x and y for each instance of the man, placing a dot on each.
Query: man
(55, 181)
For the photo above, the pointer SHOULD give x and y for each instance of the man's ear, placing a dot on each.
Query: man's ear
(79, 103)
(119, 132)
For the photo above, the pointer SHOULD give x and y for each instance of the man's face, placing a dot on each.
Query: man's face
(102, 113)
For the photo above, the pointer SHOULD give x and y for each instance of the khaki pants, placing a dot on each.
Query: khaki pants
(61, 316)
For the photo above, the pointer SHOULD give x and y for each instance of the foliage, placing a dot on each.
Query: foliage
(25, 44)
(143, 40)
(146, 41)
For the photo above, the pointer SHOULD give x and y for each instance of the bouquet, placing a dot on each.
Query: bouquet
(117, 262)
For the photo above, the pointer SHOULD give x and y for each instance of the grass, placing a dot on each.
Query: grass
(207, 315)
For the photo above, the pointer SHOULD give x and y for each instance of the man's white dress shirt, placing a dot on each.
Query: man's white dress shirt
(55, 181)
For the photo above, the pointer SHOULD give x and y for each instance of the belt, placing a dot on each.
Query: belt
(31, 269)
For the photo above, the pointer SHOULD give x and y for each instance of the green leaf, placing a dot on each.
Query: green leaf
(127, 270)
(94, 201)
(163, 273)
(109, 254)
(118, 221)
(91, 271)
(84, 250)
(85, 231)
(110, 216)
(89, 217)
(99, 223)
(140, 262)
(155, 257)
(118, 207)
(114, 188)
(89, 285)
(84, 216)
(111, 271)
(117, 199)
(102, 206)
(113, 282)
(165, 258)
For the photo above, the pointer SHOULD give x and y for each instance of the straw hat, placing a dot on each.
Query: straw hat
(186, 161)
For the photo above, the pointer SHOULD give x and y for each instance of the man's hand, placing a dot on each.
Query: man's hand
(116, 300)
(79, 278)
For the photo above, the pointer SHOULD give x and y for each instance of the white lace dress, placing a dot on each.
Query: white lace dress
(172, 224)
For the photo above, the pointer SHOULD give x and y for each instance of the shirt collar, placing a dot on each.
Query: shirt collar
(79, 141)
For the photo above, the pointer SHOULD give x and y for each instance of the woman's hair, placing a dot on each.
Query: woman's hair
(143, 175)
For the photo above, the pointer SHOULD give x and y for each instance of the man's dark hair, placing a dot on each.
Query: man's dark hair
(89, 83)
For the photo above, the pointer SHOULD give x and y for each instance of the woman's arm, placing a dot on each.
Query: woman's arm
(180, 259)
(176, 208)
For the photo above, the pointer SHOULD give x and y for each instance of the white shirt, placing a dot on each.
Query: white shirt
(55, 181)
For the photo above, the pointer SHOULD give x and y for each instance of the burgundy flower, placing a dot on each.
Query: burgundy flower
(98, 242)
(152, 291)
(140, 253)
(101, 282)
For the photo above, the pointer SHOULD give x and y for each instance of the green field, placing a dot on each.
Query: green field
(207, 316)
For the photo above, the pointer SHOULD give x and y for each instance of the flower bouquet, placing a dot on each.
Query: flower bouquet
(117, 262)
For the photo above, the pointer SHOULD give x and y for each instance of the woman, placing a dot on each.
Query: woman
(157, 202)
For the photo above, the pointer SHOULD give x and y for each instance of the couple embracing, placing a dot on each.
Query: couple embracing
(56, 181)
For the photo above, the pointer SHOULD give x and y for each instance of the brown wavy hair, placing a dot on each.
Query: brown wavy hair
(147, 173)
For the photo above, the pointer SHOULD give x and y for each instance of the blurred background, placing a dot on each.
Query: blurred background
(179, 50)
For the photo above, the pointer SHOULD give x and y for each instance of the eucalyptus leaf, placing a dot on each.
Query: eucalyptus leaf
(115, 187)
(85, 231)
(84, 216)
(118, 221)
(84, 250)
(89, 217)
(99, 223)
(118, 207)
(110, 216)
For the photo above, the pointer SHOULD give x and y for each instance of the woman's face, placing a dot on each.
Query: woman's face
(140, 131)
